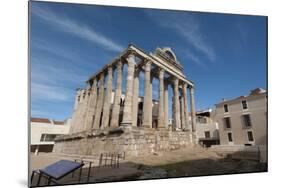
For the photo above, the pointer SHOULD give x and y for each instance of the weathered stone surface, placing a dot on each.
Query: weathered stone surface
(127, 111)
(166, 105)
(135, 99)
(147, 103)
(186, 115)
(92, 105)
(145, 126)
(99, 105)
(137, 142)
(176, 101)
(107, 100)
(193, 118)
(117, 97)
(161, 116)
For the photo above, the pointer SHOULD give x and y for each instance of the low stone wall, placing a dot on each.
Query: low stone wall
(133, 141)
(256, 152)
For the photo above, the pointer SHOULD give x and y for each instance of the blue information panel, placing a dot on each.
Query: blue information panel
(61, 168)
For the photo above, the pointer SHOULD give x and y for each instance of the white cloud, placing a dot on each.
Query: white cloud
(74, 28)
(194, 58)
(188, 27)
(53, 74)
(37, 112)
(48, 92)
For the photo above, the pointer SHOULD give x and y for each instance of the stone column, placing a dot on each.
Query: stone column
(136, 98)
(118, 92)
(85, 108)
(147, 102)
(127, 112)
(193, 117)
(161, 115)
(182, 112)
(76, 100)
(92, 105)
(79, 120)
(166, 105)
(75, 112)
(78, 111)
(176, 104)
(99, 102)
(187, 125)
(107, 100)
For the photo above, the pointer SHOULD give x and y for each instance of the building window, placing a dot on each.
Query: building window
(140, 105)
(225, 108)
(244, 105)
(229, 135)
(207, 134)
(201, 119)
(227, 122)
(247, 120)
(250, 136)
(48, 137)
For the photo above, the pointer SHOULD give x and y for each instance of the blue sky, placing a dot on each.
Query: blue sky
(223, 54)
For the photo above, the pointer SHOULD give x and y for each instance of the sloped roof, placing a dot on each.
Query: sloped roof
(58, 122)
(40, 120)
(254, 92)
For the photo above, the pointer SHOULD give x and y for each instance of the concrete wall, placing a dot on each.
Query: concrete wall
(257, 108)
(37, 129)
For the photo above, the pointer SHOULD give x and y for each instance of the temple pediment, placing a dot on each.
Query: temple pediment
(167, 55)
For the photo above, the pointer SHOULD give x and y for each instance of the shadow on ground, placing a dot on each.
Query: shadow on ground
(129, 171)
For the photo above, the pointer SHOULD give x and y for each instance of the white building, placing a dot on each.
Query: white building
(44, 132)
(207, 128)
(243, 124)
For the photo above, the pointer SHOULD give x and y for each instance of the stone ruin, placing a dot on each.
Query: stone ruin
(105, 120)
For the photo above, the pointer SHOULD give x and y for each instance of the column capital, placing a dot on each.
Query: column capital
(93, 83)
(109, 69)
(119, 64)
(101, 75)
(161, 72)
(147, 66)
(131, 52)
(146, 61)
(191, 89)
(130, 59)
(175, 80)
(94, 80)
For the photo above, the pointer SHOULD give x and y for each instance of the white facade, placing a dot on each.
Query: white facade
(43, 132)
(239, 130)
(207, 128)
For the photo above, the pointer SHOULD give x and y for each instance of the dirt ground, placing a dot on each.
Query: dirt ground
(185, 162)
(192, 162)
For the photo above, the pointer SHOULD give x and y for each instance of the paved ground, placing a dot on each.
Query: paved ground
(177, 163)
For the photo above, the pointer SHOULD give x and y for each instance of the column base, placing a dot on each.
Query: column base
(178, 129)
(126, 126)
(162, 129)
(147, 126)
(186, 130)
